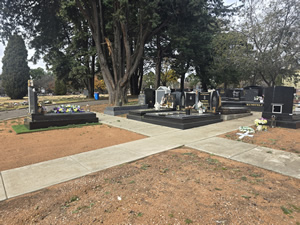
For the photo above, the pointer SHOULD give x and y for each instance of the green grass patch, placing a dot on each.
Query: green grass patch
(21, 129)
(286, 210)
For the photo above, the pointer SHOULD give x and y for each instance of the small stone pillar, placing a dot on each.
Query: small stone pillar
(32, 98)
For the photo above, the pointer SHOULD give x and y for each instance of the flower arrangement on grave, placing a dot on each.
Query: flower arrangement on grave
(67, 109)
(261, 124)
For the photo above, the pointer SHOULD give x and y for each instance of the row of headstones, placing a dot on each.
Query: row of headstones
(178, 100)
(250, 93)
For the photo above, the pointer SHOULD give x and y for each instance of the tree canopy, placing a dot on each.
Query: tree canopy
(15, 70)
(273, 28)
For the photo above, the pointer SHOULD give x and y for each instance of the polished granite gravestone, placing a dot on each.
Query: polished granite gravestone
(149, 97)
(179, 99)
(234, 110)
(180, 120)
(40, 119)
(278, 103)
(190, 99)
(37, 121)
(250, 94)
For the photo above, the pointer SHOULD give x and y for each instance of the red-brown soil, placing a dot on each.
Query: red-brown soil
(180, 186)
(24, 149)
(277, 138)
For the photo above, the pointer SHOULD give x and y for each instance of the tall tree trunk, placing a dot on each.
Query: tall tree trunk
(158, 62)
(117, 59)
(182, 82)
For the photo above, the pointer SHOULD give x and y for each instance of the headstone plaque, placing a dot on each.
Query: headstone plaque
(141, 99)
(204, 97)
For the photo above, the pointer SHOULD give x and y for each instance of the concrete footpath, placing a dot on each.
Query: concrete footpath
(16, 182)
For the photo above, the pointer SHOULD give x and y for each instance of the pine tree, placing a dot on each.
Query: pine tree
(15, 70)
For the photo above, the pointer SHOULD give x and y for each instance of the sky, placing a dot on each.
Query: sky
(41, 63)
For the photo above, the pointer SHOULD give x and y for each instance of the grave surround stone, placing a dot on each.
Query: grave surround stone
(36, 120)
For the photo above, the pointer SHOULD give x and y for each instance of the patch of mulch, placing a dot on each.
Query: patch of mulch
(180, 186)
(277, 138)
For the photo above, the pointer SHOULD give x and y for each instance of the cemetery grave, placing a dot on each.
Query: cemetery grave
(39, 118)
(281, 106)
(250, 97)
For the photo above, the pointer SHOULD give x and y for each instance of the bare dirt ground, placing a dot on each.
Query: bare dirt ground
(180, 186)
(24, 149)
(277, 138)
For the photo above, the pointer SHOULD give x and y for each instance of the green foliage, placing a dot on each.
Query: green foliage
(15, 70)
(273, 28)
(149, 80)
(229, 66)
(60, 87)
(37, 73)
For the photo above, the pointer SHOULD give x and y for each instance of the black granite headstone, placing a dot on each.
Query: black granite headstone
(149, 97)
(250, 94)
(190, 99)
(179, 98)
(278, 101)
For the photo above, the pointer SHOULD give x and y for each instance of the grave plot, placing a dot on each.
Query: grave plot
(39, 118)
(250, 97)
(180, 120)
(280, 106)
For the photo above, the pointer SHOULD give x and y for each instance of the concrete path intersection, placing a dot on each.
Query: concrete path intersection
(18, 181)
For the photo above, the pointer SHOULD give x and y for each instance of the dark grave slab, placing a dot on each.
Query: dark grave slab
(278, 103)
(138, 114)
(149, 97)
(234, 110)
(180, 120)
(190, 99)
(253, 106)
(119, 110)
(37, 121)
